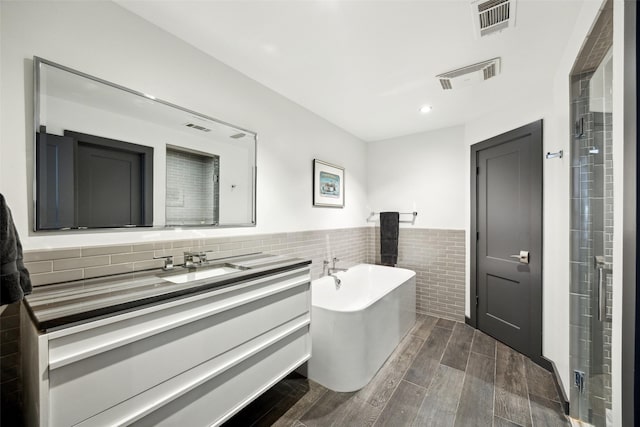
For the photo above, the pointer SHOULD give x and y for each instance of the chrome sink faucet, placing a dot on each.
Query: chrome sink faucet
(194, 259)
(168, 261)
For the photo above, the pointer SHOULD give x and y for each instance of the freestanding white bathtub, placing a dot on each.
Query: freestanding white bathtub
(356, 326)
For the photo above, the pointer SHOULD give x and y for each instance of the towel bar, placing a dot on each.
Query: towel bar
(550, 155)
(413, 220)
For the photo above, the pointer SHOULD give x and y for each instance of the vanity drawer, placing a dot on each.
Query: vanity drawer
(211, 393)
(218, 399)
(97, 368)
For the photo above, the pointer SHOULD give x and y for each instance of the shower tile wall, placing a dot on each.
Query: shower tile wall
(603, 136)
(608, 247)
(581, 222)
(192, 189)
(592, 212)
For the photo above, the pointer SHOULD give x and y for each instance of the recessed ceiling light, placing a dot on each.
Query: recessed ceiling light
(270, 49)
(425, 109)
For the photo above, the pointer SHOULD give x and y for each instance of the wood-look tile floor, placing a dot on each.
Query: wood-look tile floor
(443, 373)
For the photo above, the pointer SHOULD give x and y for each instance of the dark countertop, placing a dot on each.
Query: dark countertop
(62, 305)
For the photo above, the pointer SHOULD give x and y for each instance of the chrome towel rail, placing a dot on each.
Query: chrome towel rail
(413, 218)
(550, 155)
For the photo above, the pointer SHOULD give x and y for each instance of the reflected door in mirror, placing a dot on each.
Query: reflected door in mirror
(85, 181)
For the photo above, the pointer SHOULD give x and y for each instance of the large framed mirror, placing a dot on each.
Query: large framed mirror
(109, 157)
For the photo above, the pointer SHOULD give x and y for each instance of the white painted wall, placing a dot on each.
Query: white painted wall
(104, 40)
(422, 173)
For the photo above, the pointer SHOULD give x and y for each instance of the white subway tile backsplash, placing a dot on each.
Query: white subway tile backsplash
(39, 267)
(107, 270)
(71, 263)
(47, 255)
(105, 250)
(56, 277)
(131, 257)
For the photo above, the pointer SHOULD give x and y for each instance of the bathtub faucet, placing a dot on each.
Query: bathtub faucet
(332, 270)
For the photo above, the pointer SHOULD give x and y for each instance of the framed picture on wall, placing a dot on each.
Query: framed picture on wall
(328, 184)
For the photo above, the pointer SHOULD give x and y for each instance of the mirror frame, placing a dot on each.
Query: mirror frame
(38, 61)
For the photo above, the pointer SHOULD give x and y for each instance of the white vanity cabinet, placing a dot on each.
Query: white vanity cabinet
(191, 361)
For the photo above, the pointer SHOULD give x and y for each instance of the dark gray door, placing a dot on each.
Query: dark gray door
(109, 187)
(508, 229)
(55, 178)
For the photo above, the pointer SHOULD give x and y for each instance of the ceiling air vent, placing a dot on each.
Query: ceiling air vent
(446, 83)
(492, 16)
(466, 76)
(198, 127)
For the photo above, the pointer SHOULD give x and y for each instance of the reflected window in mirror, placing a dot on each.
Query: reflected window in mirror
(193, 189)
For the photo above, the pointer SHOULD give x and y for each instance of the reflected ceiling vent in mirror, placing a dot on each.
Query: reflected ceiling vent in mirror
(238, 135)
(492, 16)
(469, 75)
(197, 127)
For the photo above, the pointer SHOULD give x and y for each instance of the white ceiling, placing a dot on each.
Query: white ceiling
(367, 66)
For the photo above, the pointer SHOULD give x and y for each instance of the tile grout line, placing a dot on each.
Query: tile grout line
(464, 378)
(386, 403)
(311, 405)
(495, 375)
(401, 379)
(417, 385)
(526, 377)
(426, 393)
(445, 350)
(507, 420)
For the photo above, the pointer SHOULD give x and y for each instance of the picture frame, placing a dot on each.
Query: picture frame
(328, 185)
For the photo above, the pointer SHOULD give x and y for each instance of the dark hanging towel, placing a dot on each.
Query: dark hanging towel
(14, 277)
(389, 230)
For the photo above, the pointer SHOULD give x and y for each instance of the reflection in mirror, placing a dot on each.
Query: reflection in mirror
(107, 156)
(192, 188)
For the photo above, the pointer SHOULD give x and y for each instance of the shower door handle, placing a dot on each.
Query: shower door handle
(523, 257)
(602, 293)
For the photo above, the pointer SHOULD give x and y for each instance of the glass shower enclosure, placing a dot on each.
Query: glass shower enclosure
(592, 226)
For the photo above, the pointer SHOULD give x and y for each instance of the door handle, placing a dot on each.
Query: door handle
(523, 257)
(602, 293)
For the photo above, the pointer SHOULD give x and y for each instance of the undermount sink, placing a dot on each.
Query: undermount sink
(203, 273)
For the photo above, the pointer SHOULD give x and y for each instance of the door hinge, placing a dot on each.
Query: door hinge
(477, 170)
(477, 235)
(477, 300)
